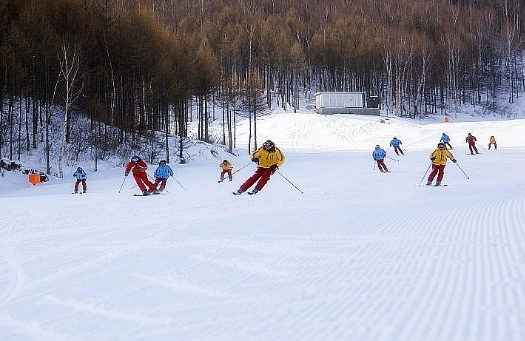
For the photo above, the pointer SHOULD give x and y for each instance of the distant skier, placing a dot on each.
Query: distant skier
(492, 141)
(139, 168)
(268, 158)
(439, 161)
(162, 173)
(396, 143)
(446, 140)
(226, 167)
(81, 176)
(379, 155)
(471, 140)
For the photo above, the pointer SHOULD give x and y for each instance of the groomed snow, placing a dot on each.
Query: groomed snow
(360, 255)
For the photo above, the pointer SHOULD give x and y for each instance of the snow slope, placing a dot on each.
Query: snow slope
(360, 255)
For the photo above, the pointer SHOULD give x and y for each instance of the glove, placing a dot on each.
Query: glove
(255, 159)
(274, 167)
(454, 160)
(126, 174)
(433, 158)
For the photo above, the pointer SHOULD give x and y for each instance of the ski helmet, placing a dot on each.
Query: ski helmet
(135, 158)
(268, 143)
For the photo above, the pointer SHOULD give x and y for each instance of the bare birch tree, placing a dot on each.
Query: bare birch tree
(69, 60)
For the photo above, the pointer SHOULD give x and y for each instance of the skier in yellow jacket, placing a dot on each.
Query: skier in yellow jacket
(269, 158)
(226, 168)
(439, 160)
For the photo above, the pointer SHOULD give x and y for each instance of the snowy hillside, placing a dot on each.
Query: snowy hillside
(361, 255)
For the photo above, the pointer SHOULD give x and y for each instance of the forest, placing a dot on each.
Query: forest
(132, 69)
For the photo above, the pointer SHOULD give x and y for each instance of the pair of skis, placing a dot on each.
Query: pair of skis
(250, 193)
(146, 195)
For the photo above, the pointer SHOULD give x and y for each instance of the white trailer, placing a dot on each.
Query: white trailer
(342, 103)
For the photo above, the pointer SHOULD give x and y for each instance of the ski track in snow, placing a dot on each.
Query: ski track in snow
(359, 256)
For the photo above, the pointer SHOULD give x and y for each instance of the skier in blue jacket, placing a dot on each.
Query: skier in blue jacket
(396, 143)
(162, 173)
(379, 155)
(446, 140)
(81, 176)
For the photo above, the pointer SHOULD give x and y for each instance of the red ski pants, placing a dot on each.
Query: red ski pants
(439, 170)
(83, 181)
(261, 174)
(398, 150)
(381, 165)
(228, 172)
(142, 181)
(162, 183)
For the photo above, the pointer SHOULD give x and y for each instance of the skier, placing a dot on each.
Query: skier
(139, 168)
(471, 140)
(379, 155)
(439, 161)
(226, 167)
(446, 140)
(81, 176)
(492, 141)
(162, 173)
(268, 158)
(396, 143)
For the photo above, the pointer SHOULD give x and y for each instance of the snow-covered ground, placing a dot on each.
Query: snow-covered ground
(360, 255)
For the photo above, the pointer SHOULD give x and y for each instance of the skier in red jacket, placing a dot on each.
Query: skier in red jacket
(471, 140)
(139, 173)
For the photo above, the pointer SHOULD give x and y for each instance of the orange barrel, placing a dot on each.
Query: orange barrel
(34, 179)
(447, 119)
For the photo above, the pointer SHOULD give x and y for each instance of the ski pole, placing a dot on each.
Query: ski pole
(291, 183)
(392, 159)
(150, 178)
(462, 170)
(242, 168)
(179, 183)
(425, 174)
(125, 176)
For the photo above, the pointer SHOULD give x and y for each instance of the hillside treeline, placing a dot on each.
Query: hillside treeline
(136, 66)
